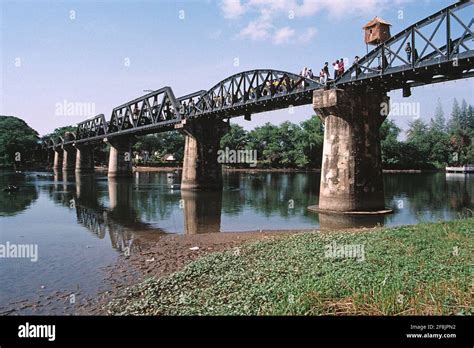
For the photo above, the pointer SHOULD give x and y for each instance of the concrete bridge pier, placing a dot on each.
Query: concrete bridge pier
(201, 170)
(69, 157)
(351, 173)
(84, 158)
(120, 157)
(58, 158)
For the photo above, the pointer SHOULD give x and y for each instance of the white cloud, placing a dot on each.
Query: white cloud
(307, 35)
(263, 13)
(283, 35)
(232, 8)
(256, 30)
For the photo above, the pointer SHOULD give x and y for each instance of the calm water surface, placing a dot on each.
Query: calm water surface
(83, 223)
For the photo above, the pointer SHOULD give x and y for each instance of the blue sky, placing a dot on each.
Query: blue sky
(104, 53)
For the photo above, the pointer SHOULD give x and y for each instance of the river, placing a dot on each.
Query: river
(80, 224)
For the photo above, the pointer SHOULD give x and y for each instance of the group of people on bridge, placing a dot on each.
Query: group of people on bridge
(325, 75)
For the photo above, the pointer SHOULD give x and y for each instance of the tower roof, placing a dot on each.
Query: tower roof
(375, 21)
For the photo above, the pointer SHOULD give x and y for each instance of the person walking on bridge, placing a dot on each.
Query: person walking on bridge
(358, 70)
(326, 72)
(341, 67)
(408, 51)
(336, 68)
(322, 76)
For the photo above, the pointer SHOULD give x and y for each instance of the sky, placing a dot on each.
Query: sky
(65, 61)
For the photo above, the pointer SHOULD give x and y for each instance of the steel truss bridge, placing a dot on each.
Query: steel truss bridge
(442, 50)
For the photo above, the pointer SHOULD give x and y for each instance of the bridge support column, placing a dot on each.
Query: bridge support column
(58, 158)
(84, 158)
(120, 157)
(69, 157)
(201, 169)
(351, 173)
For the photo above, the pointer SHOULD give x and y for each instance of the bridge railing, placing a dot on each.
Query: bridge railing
(442, 37)
(92, 127)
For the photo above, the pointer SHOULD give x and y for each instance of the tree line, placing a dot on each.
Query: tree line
(432, 144)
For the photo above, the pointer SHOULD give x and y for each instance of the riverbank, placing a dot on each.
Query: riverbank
(273, 170)
(408, 270)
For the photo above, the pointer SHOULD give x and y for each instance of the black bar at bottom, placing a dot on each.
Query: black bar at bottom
(418, 331)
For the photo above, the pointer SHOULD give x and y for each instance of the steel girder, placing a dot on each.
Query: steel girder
(240, 94)
(441, 50)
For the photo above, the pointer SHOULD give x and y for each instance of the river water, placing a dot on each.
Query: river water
(80, 224)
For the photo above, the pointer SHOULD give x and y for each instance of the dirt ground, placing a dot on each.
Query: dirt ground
(165, 254)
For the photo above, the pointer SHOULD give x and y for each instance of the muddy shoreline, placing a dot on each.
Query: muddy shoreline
(158, 256)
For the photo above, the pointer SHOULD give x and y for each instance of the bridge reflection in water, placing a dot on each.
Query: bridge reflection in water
(116, 207)
(115, 215)
(202, 211)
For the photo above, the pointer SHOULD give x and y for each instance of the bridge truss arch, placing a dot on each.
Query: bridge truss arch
(252, 91)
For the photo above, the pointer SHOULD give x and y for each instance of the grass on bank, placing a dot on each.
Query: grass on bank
(422, 269)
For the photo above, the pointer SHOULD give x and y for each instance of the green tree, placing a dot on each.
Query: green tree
(438, 139)
(18, 141)
(464, 115)
(438, 123)
(460, 143)
(291, 143)
(164, 143)
(461, 134)
(236, 138)
(59, 132)
(418, 144)
(264, 140)
(391, 154)
(313, 140)
(455, 121)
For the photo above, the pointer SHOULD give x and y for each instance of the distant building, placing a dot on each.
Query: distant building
(169, 157)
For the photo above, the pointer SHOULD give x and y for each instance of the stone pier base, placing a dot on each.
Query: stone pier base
(351, 173)
(58, 159)
(84, 159)
(69, 157)
(201, 169)
(120, 157)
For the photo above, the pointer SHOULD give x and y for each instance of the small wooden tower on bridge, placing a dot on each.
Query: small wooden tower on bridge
(376, 31)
